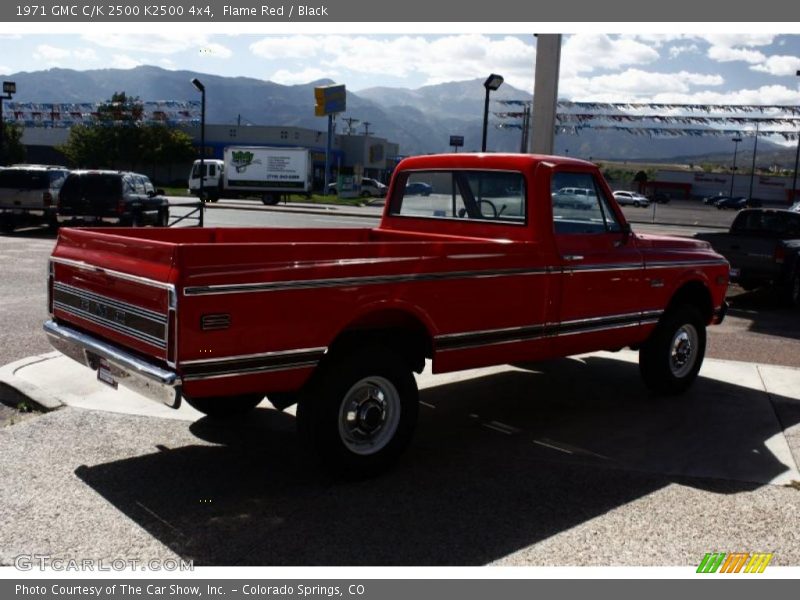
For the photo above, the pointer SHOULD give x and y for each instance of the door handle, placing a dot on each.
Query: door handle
(572, 257)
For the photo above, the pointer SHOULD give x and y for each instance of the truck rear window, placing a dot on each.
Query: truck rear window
(487, 196)
(93, 187)
(22, 179)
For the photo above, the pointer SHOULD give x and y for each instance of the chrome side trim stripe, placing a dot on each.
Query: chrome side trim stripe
(670, 264)
(118, 274)
(274, 286)
(251, 364)
(299, 284)
(509, 335)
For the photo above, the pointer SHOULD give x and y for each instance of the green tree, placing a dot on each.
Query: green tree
(13, 150)
(121, 139)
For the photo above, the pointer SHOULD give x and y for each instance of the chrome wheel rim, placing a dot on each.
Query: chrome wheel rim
(683, 350)
(369, 415)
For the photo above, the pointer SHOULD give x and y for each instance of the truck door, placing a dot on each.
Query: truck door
(601, 268)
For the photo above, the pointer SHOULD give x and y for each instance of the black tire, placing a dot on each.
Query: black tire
(671, 358)
(163, 218)
(7, 224)
(358, 414)
(270, 199)
(225, 407)
(793, 292)
(636, 203)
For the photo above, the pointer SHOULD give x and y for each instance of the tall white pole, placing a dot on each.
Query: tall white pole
(545, 93)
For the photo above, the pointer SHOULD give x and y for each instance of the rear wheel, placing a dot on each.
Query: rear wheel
(7, 224)
(359, 414)
(670, 360)
(270, 199)
(225, 407)
(636, 203)
(163, 218)
(794, 289)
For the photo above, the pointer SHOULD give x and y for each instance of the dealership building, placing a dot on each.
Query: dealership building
(693, 184)
(360, 155)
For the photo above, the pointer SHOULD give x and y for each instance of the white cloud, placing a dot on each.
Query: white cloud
(728, 54)
(445, 58)
(123, 61)
(676, 51)
(288, 77)
(634, 85)
(298, 46)
(167, 63)
(215, 50)
(152, 43)
(779, 65)
(729, 40)
(773, 94)
(587, 52)
(656, 39)
(85, 55)
(50, 54)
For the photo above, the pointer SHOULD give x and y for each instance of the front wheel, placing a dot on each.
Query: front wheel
(360, 412)
(670, 360)
(794, 290)
(225, 407)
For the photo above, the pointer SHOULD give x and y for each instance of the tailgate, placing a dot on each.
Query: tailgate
(116, 287)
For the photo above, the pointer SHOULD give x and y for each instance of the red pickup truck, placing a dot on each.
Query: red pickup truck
(480, 259)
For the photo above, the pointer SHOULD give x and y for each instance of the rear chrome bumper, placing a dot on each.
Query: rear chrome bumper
(136, 374)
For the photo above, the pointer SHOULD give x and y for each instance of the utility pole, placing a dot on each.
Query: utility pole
(753, 169)
(366, 128)
(545, 93)
(350, 121)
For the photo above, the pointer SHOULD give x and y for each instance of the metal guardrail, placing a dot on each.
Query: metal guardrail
(196, 215)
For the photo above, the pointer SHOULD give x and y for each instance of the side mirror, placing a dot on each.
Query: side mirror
(159, 192)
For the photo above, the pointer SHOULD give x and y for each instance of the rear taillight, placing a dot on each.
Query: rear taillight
(50, 282)
(47, 197)
(780, 254)
(172, 329)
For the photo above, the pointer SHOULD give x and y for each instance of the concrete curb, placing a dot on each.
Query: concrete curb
(43, 399)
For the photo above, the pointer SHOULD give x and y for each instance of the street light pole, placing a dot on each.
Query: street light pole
(202, 89)
(735, 141)
(753, 169)
(491, 84)
(9, 89)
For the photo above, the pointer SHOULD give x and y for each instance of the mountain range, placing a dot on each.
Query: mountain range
(419, 120)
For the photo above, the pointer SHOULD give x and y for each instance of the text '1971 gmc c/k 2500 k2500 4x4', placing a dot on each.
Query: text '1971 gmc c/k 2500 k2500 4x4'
(496, 264)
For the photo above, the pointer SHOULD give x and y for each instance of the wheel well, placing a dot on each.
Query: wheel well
(398, 330)
(694, 293)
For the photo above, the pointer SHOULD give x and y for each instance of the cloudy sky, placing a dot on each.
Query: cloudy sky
(712, 68)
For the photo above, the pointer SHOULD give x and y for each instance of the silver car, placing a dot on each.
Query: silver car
(630, 198)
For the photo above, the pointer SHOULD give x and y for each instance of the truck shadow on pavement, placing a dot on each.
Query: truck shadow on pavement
(499, 462)
(768, 312)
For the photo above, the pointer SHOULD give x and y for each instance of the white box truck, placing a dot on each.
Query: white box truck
(270, 173)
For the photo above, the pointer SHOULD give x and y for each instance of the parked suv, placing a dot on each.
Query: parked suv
(29, 194)
(112, 197)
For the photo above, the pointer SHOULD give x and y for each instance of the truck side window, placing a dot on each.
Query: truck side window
(580, 205)
(488, 196)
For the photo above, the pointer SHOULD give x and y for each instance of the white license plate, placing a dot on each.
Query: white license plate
(735, 273)
(104, 374)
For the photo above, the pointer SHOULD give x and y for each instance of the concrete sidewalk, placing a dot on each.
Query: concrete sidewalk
(740, 421)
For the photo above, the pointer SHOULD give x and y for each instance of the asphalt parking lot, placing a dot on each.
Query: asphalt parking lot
(564, 463)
